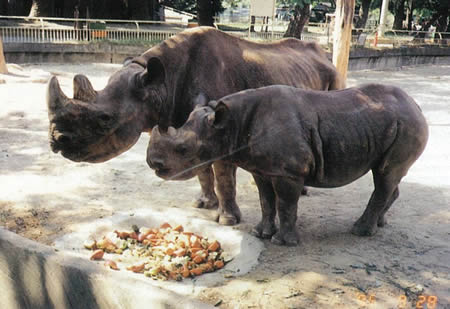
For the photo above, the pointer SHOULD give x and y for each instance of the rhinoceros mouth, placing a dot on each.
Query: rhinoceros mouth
(164, 172)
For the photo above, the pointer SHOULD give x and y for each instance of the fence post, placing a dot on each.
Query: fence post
(42, 29)
(3, 67)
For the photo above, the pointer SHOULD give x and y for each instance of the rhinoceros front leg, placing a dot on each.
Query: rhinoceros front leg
(208, 198)
(287, 193)
(225, 176)
(266, 227)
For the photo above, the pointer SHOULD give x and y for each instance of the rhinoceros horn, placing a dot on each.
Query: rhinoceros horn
(82, 89)
(56, 99)
(172, 131)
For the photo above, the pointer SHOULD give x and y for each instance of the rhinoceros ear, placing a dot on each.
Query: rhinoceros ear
(201, 100)
(155, 72)
(127, 61)
(219, 118)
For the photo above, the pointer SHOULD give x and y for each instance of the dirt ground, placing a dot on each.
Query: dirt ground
(405, 265)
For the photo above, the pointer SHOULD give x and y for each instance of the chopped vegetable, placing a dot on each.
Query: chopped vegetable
(97, 255)
(163, 253)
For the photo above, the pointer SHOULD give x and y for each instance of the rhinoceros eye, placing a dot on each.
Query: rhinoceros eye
(181, 149)
(105, 118)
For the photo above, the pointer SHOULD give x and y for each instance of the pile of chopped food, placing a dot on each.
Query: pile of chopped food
(163, 253)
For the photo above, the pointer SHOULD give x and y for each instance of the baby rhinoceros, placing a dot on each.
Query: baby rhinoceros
(289, 138)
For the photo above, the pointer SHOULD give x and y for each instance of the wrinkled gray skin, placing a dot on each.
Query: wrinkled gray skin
(161, 87)
(288, 138)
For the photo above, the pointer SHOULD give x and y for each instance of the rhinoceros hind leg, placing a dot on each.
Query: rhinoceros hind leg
(266, 227)
(208, 198)
(381, 219)
(385, 193)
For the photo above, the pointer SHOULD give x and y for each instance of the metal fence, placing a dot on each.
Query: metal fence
(62, 35)
(15, 29)
(67, 30)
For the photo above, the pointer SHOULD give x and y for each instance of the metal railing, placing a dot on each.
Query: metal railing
(67, 30)
(58, 35)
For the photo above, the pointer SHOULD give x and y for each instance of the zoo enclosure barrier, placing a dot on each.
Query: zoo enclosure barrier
(17, 29)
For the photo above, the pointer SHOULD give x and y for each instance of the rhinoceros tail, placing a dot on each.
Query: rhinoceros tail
(316, 145)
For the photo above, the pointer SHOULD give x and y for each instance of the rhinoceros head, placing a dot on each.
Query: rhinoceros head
(96, 126)
(181, 154)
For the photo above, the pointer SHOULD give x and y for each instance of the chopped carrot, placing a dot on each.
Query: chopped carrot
(180, 252)
(112, 265)
(196, 271)
(218, 264)
(178, 228)
(97, 255)
(134, 235)
(197, 259)
(185, 272)
(136, 268)
(165, 225)
(197, 244)
(214, 246)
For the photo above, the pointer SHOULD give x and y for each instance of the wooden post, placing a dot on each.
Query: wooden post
(3, 67)
(342, 35)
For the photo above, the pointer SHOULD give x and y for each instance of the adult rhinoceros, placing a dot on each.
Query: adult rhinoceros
(161, 87)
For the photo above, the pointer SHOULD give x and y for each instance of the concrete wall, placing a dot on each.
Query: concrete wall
(70, 53)
(360, 58)
(370, 59)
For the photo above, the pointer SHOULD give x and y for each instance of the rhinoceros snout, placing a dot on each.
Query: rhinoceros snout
(156, 164)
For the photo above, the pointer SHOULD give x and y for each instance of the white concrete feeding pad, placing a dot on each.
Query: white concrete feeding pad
(33, 275)
(240, 249)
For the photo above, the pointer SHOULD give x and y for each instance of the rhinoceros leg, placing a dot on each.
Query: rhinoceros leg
(266, 227)
(225, 176)
(287, 193)
(208, 198)
(384, 194)
(381, 219)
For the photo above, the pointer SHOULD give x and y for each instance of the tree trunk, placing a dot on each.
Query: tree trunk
(42, 8)
(409, 14)
(3, 67)
(399, 14)
(298, 21)
(205, 13)
(364, 13)
(342, 35)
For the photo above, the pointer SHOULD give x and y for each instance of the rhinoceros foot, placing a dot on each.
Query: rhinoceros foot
(287, 239)
(362, 228)
(228, 214)
(381, 221)
(264, 230)
(207, 202)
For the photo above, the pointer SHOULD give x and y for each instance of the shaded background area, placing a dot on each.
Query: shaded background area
(44, 196)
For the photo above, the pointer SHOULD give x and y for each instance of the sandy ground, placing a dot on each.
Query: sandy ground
(406, 264)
